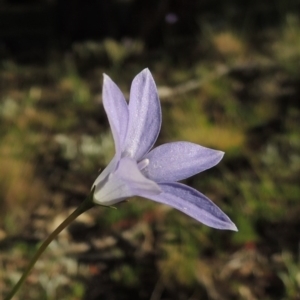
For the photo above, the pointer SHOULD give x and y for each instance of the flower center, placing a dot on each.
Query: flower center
(143, 164)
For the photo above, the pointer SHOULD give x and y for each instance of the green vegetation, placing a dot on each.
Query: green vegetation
(54, 139)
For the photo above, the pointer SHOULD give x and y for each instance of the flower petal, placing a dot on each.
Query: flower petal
(179, 160)
(116, 109)
(109, 169)
(194, 204)
(139, 184)
(126, 181)
(144, 115)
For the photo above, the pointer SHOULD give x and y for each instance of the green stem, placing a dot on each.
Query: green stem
(84, 206)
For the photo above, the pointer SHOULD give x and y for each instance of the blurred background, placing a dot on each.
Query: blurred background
(228, 74)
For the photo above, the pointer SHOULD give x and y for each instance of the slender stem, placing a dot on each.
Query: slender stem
(84, 206)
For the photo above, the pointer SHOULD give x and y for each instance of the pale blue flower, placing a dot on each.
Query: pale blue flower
(136, 170)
